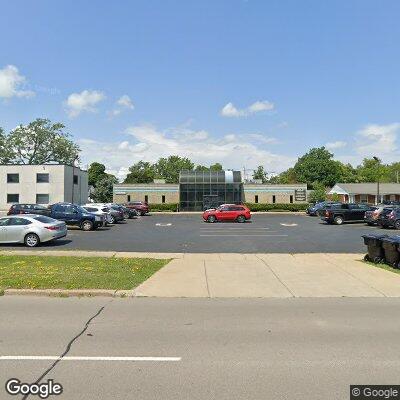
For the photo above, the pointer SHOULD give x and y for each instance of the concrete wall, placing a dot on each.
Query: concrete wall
(60, 178)
(265, 193)
(154, 193)
(79, 194)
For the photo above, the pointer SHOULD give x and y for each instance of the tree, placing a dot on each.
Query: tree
(96, 172)
(286, 177)
(201, 168)
(41, 142)
(169, 168)
(318, 193)
(4, 149)
(260, 174)
(372, 170)
(103, 192)
(318, 165)
(216, 167)
(141, 172)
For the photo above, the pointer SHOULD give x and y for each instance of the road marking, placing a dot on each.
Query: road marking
(234, 229)
(230, 235)
(160, 224)
(283, 224)
(81, 358)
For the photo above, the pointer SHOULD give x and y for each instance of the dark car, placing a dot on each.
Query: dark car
(129, 213)
(76, 215)
(141, 207)
(340, 213)
(28, 209)
(312, 210)
(389, 218)
(372, 216)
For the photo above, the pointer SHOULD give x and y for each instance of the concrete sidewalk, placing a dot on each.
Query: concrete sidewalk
(270, 275)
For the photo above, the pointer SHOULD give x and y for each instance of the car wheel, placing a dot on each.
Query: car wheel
(142, 213)
(87, 225)
(32, 240)
(370, 224)
(397, 224)
(112, 219)
(338, 220)
(211, 218)
(241, 218)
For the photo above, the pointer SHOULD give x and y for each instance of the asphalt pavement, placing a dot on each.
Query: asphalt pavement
(266, 233)
(301, 349)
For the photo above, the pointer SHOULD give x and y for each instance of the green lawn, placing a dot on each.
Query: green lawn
(49, 272)
(383, 266)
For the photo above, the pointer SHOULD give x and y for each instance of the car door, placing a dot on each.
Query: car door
(3, 229)
(222, 213)
(362, 209)
(16, 229)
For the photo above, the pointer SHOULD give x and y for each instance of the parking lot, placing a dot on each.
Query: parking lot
(266, 233)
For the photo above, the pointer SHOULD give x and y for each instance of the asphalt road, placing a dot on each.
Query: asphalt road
(226, 349)
(267, 233)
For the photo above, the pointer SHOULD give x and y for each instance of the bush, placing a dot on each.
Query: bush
(277, 207)
(164, 207)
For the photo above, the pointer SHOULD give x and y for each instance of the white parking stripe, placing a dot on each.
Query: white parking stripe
(242, 235)
(71, 358)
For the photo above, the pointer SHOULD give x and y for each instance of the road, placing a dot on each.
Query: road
(226, 349)
(272, 233)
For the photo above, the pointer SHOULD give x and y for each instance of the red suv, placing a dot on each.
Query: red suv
(140, 206)
(227, 212)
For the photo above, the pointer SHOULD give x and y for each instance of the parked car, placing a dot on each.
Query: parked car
(340, 213)
(99, 210)
(312, 210)
(372, 216)
(227, 212)
(141, 207)
(129, 213)
(31, 229)
(28, 209)
(116, 214)
(75, 215)
(389, 218)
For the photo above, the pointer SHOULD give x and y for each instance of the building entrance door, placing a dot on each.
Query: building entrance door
(210, 201)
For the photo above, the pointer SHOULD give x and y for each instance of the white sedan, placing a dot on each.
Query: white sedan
(30, 229)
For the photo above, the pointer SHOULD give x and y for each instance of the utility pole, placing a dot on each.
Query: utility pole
(377, 180)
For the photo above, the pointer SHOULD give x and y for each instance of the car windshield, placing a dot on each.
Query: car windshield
(80, 209)
(44, 219)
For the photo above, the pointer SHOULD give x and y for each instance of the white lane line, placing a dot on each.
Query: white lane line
(243, 234)
(81, 358)
(283, 224)
(162, 224)
(234, 229)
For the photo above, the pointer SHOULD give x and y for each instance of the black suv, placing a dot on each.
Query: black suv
(28, 209)
(389, 218)
(340, 213)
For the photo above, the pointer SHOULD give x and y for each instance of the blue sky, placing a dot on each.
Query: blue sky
(240, 82)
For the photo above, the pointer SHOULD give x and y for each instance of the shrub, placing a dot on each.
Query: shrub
(164, 207)
(277, 207)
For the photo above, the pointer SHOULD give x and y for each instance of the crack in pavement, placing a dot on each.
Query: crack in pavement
(69, 345)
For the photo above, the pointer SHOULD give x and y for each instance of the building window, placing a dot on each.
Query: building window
(273, 199)
(291, 199)
(75, 179)
(12, 178)
(129, 197)
(42, 178)
(256, 198)
(363, 198)
(146, 198)
(163, 199)
(42, 199)
(12, 198)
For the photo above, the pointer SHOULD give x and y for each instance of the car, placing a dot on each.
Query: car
(129, 213)
(31, 229)
(142, 207)
(116, 214)
(312, 210)
(372, 216)
(28, 209)
(389, 218)
(227, 212)
(99, 210)
(75, 215)
(345, 212)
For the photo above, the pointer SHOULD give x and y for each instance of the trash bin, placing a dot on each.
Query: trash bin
(391, 249)
(375, 250)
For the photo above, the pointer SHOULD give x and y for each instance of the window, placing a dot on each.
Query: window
(129, 197)
(90, 209)
(273, 199)
(12, 198)
(18, 221)
(146, 198)
(42, 199)
(42, 178)
(291, 199)
(363, 198)
(12, 178)
(256, 198)
(4, 221)
(44, 219)
(163, 199)
(75, 179)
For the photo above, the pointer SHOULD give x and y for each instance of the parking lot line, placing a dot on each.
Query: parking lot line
(84, 358)
(242, 234)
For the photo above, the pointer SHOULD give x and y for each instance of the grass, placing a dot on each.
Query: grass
(386, 267)
(50, 272)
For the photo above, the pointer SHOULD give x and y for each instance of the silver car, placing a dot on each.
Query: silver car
(30, 229)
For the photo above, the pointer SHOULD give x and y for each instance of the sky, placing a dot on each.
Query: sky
(240, 82)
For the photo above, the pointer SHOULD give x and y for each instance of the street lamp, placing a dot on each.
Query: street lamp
(377, 180)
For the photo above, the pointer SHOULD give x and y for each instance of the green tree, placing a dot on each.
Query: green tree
(96, 172)
(372, 170)
(41, 142)
(286, 177)
(216, 167)
(318, 193)
(260, 173)
(103, 192)
(4, 149)
(318, 165)
(141, 172)
(201, 168)
(169, 168)
(394, 172)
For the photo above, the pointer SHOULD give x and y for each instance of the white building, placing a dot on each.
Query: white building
(42, 184)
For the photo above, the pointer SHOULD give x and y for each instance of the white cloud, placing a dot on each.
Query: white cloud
(11, 82)
(262, 139)
(377, 140)
(335, 145)
(229, 110)
(125, 101)
(149, 144)
(85, 101)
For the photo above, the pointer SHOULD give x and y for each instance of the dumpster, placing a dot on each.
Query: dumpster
(391, 249)
(374, 243)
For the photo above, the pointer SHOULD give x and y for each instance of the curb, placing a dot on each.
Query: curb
(69, 293)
